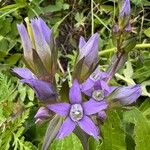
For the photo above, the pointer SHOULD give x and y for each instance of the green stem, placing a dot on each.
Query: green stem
(107, 51)
(92, 17)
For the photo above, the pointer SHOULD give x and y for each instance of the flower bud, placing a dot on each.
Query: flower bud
(38, 47)
(42, 113)
(124, 13)
(88, 57)
(126, 95)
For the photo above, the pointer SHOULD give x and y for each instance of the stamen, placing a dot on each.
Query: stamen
(98, 95)
(76, 112)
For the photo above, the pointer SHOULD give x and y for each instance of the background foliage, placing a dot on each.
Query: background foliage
(127, 128)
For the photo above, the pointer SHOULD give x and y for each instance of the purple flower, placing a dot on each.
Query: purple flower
(127, 94)
(44, 90)
(37, 39)
(77, 113)
(115, 28)
(42, 113)
(125, 9)
(89, 49)
(95, 86)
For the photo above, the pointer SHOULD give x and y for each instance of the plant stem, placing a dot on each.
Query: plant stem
(107, 51)
(92, 17)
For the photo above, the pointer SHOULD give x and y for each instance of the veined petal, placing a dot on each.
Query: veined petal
(87, 87)
(82, 42)
(26, 42)
(43, 112)
(41, 45)
(60, 108)
(43, 90)
(127, 94)
(125, 10)
(45, 30)
(67, 127)
(91, 107)
(75, 93)
(87, 125)
(24, 73)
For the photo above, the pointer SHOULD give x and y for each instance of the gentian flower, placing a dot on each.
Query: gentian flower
(44, 90)
(42, 114)
(38, 47)
(97, 88)
(87, 59)
(77, 113)
(126, 95)
(124, 13)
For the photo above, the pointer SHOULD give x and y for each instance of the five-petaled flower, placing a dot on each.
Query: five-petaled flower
(78, 113)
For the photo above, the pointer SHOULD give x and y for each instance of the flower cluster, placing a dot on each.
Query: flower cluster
(90, 93)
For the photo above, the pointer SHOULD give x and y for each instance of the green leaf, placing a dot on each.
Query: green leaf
(52, 131)
(69, 143)
(141, 129)
(113, 133)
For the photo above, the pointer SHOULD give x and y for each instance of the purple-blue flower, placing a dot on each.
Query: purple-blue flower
(78, 113)
(89, 49)
(38, 45)
(97, 88)
(44, 90)
(125, 9)
(126, 95)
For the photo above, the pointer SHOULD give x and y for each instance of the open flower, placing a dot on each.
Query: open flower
(44, 90)
(97, 88)
(77, 113)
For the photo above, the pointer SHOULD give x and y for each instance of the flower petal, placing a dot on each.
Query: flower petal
(102, 115)
(43, 90)
(75, 93)
(87, 87)
(67, 127)
(24, 73)
(26, 42)
(127, 94)
(41, 45)
(82, 42)
(91, 107)
(60, 108)
(89, 127)
(45, 30)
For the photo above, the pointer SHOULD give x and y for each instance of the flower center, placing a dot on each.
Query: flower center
(98, 95)
(76, 112)
(94, 76)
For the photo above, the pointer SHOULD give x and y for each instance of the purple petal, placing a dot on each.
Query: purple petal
(42, 113)
(90, 50)
(128, 28)
(89, 127)
(67, 127)
(24, 73)
(26, 42)
(41, 45)
(45, 30)
(75, 93)
(115, 28)
(91, 107)
(87, 87)
(102, 115)
(127, 95)
(82, 42)
(125, 10)
(43, 90)
(60, 108)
